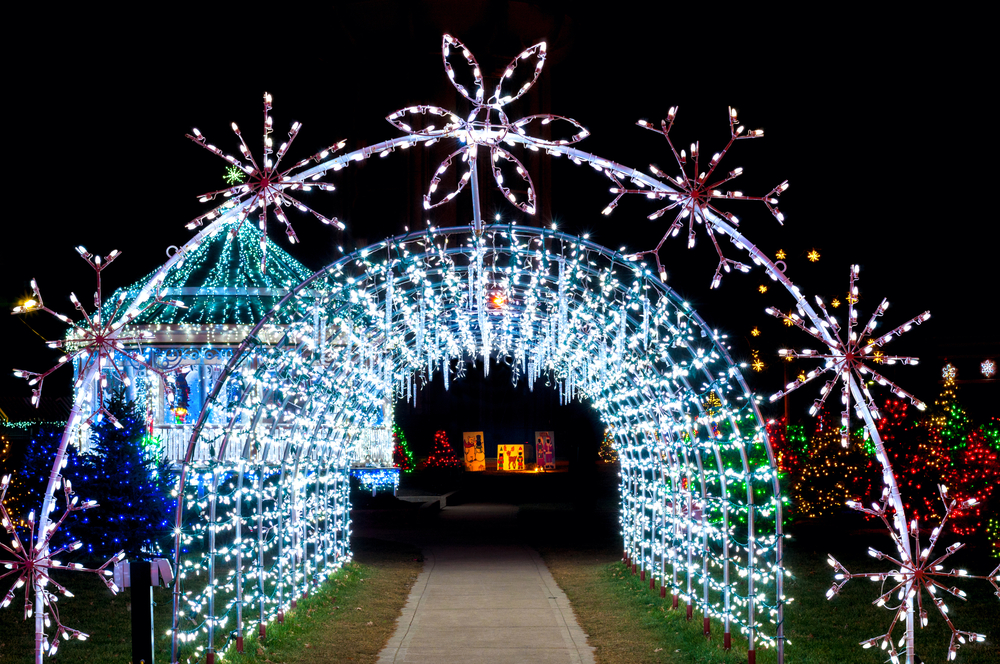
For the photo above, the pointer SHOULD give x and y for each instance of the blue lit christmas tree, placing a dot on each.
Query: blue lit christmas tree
(27, 489)
(132, 485)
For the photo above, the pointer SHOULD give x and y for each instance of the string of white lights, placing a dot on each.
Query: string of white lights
(701, 506)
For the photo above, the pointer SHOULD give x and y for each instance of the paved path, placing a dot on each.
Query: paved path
(485, 601)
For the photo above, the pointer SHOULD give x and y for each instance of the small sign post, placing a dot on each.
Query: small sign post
(141, 577)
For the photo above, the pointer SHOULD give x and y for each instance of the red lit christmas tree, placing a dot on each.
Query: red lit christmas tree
(789, 444)
(974, 473)
(946, 448)
(933, 455)
(443, 455)
(919, 457)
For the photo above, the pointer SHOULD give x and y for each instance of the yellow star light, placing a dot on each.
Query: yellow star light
(813, 255)
(789, 321)
(758, 365)
(802, 377)
(762, 288)
(755, 332)
(780, 255)
(878, 357)
(835, 303)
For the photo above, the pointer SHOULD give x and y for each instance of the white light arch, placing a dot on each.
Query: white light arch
(668, 451)
(701, 509)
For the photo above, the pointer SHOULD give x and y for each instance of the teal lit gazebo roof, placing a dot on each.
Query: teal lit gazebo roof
(222, 282)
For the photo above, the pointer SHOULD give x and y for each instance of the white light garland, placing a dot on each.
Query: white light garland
(701, 508)
(553, 307)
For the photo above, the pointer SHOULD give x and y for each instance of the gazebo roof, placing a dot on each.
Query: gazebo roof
(221, 282)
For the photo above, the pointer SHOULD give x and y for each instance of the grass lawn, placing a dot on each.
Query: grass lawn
(351, 618)
(93, 610)
(354, 614)
(348, 620)
(629, 624)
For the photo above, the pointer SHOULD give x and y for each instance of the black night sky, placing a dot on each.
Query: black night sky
(880, 123)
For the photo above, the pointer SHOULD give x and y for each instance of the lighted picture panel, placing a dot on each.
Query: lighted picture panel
(545, 450)
(475, 453)
(510, 457)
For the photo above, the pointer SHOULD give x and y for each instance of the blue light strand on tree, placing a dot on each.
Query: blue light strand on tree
(133, 485)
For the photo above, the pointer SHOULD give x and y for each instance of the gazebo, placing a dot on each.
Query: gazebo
(226, 289)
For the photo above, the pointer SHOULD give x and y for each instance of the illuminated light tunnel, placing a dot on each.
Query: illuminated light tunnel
(264, 505)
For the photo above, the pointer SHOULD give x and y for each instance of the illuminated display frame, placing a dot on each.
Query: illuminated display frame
(701, 507)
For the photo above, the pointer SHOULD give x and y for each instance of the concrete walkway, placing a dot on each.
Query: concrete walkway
(485, 601)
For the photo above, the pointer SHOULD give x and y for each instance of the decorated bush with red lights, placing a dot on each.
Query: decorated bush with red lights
(442, 454)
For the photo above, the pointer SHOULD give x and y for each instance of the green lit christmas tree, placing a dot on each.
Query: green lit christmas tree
(607, 453)
(947, 418)
(402, 457)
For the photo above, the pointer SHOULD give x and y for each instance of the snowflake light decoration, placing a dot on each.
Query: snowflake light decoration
(988, 368)
(32, 562)
(234, 175)
(487, 125)
(846, 355)
(96, 339)
(913, 575)
(267, 185)
(695, 194)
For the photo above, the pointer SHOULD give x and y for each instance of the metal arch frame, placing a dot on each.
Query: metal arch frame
(598, 162)
(621, 289)
(383, 148)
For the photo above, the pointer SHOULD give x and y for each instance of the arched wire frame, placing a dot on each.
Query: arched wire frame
(268, 517)
(698, 474)
(675, 476)
(674, 468)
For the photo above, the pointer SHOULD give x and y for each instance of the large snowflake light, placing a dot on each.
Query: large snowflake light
(267, 185)
(913, 575)
(96, 339)
(846, 354)
(693, 195)
(32, 563)
(487, 125)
